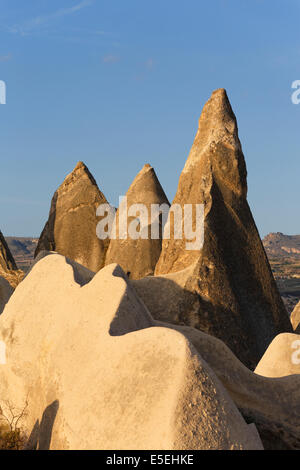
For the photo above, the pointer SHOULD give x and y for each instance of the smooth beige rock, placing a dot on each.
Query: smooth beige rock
(233, 293)
(282, 357)
(272, 404)
(82, 275)
(98, 374)
(138, 258)
(295, 318)
(71, 226)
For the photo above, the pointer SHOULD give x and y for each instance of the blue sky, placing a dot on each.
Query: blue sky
(121, 83)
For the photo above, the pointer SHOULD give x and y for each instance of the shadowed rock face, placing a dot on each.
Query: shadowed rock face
(71, 226)
(6, 291)
(7, 262)
(8, 267)
(138, 258)
(235, 297)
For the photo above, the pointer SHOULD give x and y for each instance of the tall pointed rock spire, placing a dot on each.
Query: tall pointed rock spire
(71, 226)
(235, 295)
(138, 257)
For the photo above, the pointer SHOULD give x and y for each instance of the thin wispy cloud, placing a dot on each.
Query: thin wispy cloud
(146, 68)
(30, 25)
(5, 58)
(110, 59)
(149, 64)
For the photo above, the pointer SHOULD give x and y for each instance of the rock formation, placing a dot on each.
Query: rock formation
(141, 385)
(7, 262)
(22, 249)
(280, 245)
(272, 404)
(96, 372)
(229, 290)
(282, 357)
(138, 257)
(71, 226)
(295, 318)
(8, 267)
(6, 291)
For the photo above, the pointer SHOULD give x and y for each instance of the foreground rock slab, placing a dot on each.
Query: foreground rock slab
(71, 226)
(273, 404)
(282, 357)
(295, 318)
(229, 285)
(96, 372)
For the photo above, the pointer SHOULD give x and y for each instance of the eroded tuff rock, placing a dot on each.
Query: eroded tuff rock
(7, 261)
(282, 357)
(8, 267)
(272, 404)
(138, 258)
(295, 318)
(6, 291)
(230, 287)
(97, 372)
(71, 226)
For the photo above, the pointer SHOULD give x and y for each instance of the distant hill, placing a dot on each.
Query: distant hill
(284, 255)
(22, 249)
(278, 244)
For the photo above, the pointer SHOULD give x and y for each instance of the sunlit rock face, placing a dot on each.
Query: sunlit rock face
(138, 257)
(72, 223)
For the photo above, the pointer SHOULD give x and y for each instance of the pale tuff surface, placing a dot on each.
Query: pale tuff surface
(282, 357)
(295, 318)
(272, 404)
(98, 373)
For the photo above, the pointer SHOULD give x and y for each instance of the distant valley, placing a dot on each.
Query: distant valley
(284, 255)
(22, 249)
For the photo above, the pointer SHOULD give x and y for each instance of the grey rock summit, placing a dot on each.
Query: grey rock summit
(71, 226)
